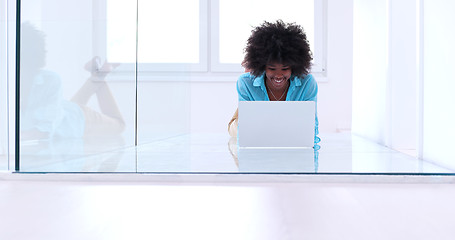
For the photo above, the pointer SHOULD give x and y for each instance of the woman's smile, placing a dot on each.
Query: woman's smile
(277, 76)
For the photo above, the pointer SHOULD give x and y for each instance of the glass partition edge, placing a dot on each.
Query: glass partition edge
(17, 128)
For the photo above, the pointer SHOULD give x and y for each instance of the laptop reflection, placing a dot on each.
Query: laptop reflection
(275, 160)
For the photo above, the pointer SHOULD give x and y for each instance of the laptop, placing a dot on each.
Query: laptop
(276, 124)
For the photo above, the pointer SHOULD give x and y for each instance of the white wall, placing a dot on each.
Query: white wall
(403, 75)
(335, 96)
(385, 106)
(370, 69)
(439, 82)
(212, 105)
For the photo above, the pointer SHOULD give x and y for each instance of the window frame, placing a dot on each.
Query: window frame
(319, 52)
(4, 82)
(209, 66)
(202, 65)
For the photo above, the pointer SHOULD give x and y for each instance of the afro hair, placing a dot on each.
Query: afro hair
(278, 42)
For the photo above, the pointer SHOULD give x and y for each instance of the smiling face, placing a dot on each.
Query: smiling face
(277, 76)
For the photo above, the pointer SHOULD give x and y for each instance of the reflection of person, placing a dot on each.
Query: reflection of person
(278, 160)
(278, 61)
(43, 111)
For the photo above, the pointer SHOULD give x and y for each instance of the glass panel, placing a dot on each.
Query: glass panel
(164, 100)
(76, 107)
(3, 88)
(78, 103)
(235, 30)
(163, 108)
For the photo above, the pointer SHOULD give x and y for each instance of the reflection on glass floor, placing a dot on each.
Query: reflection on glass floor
(217, 153)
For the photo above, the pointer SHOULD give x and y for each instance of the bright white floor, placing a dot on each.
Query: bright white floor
(230, 206)
(275, 207)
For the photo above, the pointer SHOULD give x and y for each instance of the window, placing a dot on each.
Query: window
(183, 35)
(232, 26)
(171, 34)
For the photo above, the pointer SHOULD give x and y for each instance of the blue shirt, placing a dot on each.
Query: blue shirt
(44, 108)
(251, 88)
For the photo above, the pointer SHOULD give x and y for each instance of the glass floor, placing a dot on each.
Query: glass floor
(218, 153)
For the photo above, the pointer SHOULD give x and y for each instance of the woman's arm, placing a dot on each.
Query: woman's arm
(233, 124)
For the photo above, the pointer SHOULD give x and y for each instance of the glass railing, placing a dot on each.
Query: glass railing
(107, 86)
(79, 98)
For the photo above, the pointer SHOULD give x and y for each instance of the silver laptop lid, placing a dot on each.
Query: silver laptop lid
(276, 124)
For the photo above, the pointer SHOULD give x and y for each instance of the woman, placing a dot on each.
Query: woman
(278, 61)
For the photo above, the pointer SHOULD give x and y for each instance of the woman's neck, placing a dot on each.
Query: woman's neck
(277, 95)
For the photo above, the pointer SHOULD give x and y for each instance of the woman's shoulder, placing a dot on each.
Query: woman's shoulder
(47, 78)
(308, 80)
(246, 79)
(49, 74)
(308, 77)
